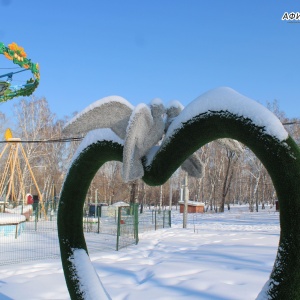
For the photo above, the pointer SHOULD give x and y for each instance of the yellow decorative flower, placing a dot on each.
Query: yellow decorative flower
(13, 46)
(7, 55)
(18, 56)
(23, 54)
(19, 51)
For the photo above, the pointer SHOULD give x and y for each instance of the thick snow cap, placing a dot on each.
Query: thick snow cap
(227, 99)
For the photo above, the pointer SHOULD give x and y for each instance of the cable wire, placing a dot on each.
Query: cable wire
(61, 140)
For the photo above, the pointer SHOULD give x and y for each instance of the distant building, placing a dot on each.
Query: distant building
(193, 207)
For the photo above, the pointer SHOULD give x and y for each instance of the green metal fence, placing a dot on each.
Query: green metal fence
(38, 239)
(117, 227)
(127, 229)
(113, 228)
(154, 220)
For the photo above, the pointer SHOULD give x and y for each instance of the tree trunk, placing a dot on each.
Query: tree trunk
(133, 192)
(227, 179)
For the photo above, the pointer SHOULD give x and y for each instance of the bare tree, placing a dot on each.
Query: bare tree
(228, 175)
(35, 122)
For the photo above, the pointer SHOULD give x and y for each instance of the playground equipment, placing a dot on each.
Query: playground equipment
(220, 113)
(12, 181)
(18, 56)
(11, 224)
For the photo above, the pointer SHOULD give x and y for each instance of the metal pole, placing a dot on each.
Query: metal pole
(118, 228)
(99, 215)
(160, 198)
(185, 199)
(36, 217)
(170, 195)
(96, 203)
(136, 223)
(12, 73)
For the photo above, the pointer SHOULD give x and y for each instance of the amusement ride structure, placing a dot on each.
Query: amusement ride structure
(12, 186)
(9, 90)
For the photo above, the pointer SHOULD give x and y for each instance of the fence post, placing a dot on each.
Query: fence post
(98, 216)
(16, 233)
(118, 228)
(36, 217)
(170, 221)
(155, 221)
(136, 223)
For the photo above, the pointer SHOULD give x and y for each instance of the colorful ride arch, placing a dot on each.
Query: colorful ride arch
(18, 56)
(220, 113)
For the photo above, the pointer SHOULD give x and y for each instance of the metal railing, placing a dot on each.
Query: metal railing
(154, 220)
(113, 229)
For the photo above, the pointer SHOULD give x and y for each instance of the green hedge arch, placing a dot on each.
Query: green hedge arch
(281, 159)
(70, 211)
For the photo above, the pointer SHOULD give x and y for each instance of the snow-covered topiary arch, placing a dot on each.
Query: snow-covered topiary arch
(220, 113)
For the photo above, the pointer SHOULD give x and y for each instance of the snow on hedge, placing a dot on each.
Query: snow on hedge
(227, 99)
(92, 137)
(90, 284)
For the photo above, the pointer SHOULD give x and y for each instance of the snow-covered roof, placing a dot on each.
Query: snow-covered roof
(192, 203)
(19, 209)
(120, 203)
(7, 218)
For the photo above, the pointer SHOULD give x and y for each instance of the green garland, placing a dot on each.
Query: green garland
(281, 159)
(19, 57)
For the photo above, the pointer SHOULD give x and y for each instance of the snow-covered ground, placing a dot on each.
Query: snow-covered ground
(218, 257)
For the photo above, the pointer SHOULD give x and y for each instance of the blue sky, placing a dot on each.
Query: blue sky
(170, 49)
